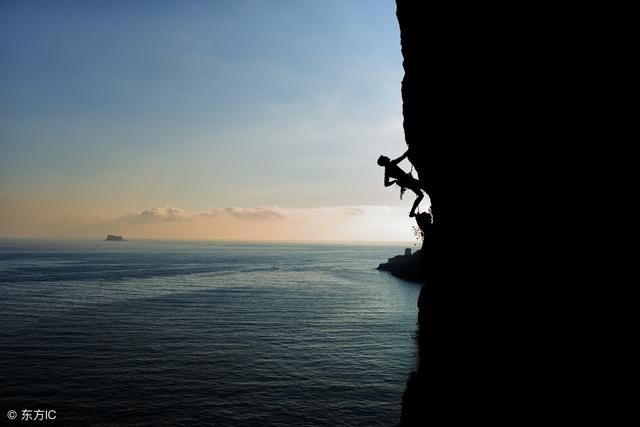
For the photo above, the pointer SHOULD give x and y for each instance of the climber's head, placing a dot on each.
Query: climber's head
(383, 160)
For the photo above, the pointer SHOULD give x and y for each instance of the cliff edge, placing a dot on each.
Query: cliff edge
(424, 154)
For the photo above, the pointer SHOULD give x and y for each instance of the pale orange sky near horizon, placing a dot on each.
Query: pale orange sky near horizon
(345, 223)
(245, 120)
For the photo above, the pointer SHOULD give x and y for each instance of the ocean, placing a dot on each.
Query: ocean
(166, 333)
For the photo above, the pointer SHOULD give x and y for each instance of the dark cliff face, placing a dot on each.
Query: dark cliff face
(451, 122)
(414, 95)
(433, 90)
(462, 120)
(423, 155)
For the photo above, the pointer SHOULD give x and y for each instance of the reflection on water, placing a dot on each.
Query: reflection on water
(156, 333)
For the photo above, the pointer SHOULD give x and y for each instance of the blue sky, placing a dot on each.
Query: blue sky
(114, 107)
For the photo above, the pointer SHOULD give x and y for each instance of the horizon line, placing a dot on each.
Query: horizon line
(87, 239)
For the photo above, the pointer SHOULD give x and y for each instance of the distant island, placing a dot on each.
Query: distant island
(113, 238)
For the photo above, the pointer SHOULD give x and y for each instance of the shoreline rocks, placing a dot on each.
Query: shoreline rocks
(407, 267)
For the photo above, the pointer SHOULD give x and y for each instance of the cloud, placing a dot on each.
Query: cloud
(261, 213)
(166, 214)
(351, 222)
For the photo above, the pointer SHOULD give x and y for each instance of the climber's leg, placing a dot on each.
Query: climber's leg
(417, 202)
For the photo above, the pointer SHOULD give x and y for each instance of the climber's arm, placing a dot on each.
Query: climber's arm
(387, 183)
(401, 158)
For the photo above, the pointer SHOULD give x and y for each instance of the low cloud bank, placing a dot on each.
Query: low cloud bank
(370, 223)
(262, 213)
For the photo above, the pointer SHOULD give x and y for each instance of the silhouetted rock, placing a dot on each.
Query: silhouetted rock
(114, 238)
(482, 102)
(408, 267)
(417, 405)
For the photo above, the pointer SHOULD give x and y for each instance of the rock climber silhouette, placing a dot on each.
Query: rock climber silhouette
(403, 179)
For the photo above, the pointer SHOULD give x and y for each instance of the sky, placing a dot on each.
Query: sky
(200, 119)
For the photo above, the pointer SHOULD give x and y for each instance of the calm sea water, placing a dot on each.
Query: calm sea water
(203, 333)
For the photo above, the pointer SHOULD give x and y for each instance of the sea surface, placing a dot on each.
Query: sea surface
(203, 333)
